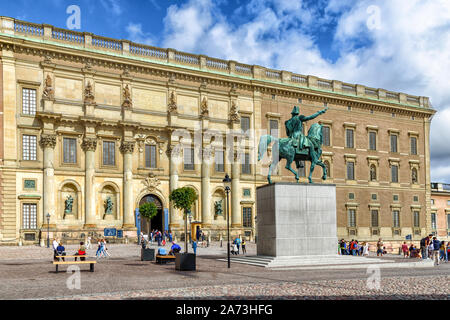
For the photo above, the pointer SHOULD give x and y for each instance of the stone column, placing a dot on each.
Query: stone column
(235, 192)
(48, 143)
(127, 148)
(173, 152)
(206, 196)
(89, 146)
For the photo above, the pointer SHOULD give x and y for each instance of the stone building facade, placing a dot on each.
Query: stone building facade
(440, 210)
(93, 127)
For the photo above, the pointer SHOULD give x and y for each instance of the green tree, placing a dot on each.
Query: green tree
(183, 199)
(148, 210)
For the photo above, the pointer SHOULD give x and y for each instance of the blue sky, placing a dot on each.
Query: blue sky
(400, 45)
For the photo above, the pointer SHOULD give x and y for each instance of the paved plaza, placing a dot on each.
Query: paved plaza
(27, 273)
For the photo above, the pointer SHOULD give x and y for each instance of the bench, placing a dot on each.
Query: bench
(164, 259)
(57, 263)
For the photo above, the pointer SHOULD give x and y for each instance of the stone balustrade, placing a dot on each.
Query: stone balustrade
(13, 27)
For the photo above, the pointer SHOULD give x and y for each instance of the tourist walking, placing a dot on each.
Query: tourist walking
(442, 252)
(436, 246)
(380, 247)
(194, 246)
(238, 243)
(424, 243)
(244, 251)
(405, 250)
(366, 249)
(88, 243)
(343, 247)
(105, 249)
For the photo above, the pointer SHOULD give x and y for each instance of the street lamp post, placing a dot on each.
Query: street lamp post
(48, 229)
(227, 184)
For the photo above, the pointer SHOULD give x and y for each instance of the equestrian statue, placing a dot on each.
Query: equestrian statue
(296, 147)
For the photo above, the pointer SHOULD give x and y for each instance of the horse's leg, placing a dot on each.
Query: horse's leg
(320, 163)
(311, 170)
(272, 166)
(289, 161)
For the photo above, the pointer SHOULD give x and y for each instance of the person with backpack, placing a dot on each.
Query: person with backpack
(342, 245)
(424, 246)
(244, 251)
(436, 245)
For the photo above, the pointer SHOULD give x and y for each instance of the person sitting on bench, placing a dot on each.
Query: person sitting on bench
(61, 251)
(81, 252)
(175, 248)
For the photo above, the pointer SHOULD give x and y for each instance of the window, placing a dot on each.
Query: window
(432, 201)
(448, 221)
(150, 156)
(372, 140)
(352, 218)
(416, 219)
(246, 168)
(416, 199)
(448, 202)
(374, 196)
(433, 221)
(373, 173)
(394, 173)
(326, 136)
(349, 138)
(219, 161)
(274, 128)
(245, 123)
(29, 214)
(189, 159)
(109, 153)
(350, 171)
(29, 101)
(70, 150)
(394, 143)
(247, 217)
(351, 196)
(414, 145)
(29, 148)
(395, 197)
(374, 220)
(396, 219)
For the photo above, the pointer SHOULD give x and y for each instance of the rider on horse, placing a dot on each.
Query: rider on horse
(294, 129)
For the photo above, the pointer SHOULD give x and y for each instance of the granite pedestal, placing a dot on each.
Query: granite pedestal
(296, 220)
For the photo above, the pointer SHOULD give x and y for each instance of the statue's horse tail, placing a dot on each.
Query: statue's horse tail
(264, 142)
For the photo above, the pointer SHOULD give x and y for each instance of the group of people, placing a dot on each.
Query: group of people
(158, 236)
(353, 248)
(237, 244)
(432, 248)
(60, 251)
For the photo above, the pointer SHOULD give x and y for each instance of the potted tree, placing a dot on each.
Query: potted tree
(148, 211)
(183, 199)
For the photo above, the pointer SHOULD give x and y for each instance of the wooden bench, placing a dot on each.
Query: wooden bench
(91, 263)
(164, 259)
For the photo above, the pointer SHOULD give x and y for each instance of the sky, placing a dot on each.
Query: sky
(399, 45)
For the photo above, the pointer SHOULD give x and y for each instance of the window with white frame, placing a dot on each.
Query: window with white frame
(29, 216)
(188, 156)
(28, 101)
(433, 221)
(396, 219)
(29, 147)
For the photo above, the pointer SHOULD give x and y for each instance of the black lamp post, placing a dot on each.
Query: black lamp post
(227, 183)
(48, 229)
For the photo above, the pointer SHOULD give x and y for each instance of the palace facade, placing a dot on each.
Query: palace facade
(93, 127)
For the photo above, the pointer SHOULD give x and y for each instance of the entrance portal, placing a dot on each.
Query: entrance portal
(157, 222)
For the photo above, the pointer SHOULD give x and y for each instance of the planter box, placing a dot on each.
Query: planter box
(147, 254)
(185, 262)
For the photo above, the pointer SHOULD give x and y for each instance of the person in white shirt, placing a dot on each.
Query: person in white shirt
(55, 245)
(366, 249)
(88, 243)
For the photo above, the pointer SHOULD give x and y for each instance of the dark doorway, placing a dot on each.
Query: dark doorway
(157, 221)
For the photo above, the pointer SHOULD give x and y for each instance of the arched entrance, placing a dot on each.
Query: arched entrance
(156, 222)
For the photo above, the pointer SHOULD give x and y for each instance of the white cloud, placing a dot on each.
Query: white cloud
(112, 6)
(401, 45)
(136, 34)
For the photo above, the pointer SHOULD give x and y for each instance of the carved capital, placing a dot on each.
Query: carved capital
(127, 147)
(89, 144)
(48, 141)
(173, 151)
(208, 153)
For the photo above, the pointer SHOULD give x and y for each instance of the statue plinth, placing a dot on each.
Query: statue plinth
(296, 220)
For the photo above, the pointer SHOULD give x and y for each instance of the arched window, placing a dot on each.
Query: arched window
(373, 173)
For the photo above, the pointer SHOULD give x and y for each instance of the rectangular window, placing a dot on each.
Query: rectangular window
(245, 123)
(414, 145)
(448, 221)
(29, 214)
(349, 138)
(29, 148)
(372, 141)
(219, 159)
(394, 173)
(396, 219)
(374, 216)
(395, 197)
(189, 159)
(374, 196)
(394, 143)
(416, 219)
(326, 136)
(246, 168)
(448, 202)
(274, 131)
(70, 150)
(150, 156)
(29, 101)
(352, 218)
(433, 221)
(350, 171)
(109, 153)
(432, 201)
(247, 217)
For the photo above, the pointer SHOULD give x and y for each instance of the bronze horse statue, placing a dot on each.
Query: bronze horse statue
(284, 149)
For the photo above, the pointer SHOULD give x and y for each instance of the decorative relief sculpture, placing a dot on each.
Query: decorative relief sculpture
(48, 141)
(218, 207)
(234, 115)
(172, 107)
(127, 147)
(89, 94)
(108, 206)
(151, 182)
(127, 102)
(68, 205)
(89, 144)
(48, 93)
(204, 111)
